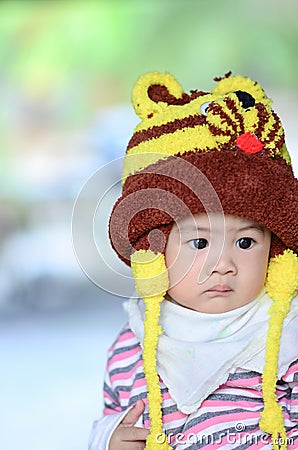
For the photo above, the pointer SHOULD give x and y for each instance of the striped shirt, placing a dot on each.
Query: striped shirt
(227, 419)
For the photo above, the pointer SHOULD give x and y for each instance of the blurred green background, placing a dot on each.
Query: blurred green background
(64, 63)
(66, 73)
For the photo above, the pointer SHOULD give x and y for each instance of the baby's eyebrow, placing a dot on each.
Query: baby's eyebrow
(195, 227)
(252, 227)
(192, 228)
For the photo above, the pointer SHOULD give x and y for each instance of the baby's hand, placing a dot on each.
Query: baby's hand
(126, 436)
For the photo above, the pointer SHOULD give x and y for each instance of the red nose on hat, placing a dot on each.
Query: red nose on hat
(248, 143)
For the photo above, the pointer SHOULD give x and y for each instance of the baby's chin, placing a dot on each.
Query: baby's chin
(217, 304)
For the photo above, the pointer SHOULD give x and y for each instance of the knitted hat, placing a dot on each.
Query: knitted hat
(222, 151)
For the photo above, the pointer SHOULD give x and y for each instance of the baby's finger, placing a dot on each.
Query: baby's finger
(133, 415)
(128, 438)
(137, 445)
(133, 434)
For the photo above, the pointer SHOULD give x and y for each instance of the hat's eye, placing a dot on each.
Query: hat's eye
(204, 107)
(246, 99)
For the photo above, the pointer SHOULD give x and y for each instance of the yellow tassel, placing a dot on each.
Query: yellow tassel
(151, 279)
(152, 331)
(282, 287)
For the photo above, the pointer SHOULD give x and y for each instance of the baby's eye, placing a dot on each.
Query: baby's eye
(199, 244)
(245, 243)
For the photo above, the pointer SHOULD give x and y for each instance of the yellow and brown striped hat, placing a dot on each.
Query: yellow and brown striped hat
(231, 135)
(222, 150)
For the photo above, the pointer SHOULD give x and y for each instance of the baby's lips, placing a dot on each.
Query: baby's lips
(249, 143)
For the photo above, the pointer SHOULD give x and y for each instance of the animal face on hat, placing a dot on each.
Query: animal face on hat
(174, 122)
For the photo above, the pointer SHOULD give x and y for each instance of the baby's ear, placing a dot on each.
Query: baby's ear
(153, 92)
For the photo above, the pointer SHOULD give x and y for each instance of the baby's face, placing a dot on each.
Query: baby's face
(218, 265)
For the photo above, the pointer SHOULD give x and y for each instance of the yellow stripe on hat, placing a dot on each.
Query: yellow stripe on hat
(180, 141)
(167, 113)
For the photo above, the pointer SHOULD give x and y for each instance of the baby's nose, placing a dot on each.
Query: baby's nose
(220, 261)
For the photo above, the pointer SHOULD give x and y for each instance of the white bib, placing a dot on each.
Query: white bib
(197, 351)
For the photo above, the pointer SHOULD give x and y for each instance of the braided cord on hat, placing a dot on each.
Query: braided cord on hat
(151, 280)
(282, 286)
(152, 331)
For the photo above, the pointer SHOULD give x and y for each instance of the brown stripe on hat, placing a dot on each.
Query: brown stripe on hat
(263, 116)
(274, 135)
(231, 104)
(159, 93)
(156, 131)
(225, 110)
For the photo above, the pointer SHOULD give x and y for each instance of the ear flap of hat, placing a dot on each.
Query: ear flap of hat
(282, 287)
(150, 273)
(144, 105)
(151, 279)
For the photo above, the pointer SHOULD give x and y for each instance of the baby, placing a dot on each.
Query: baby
(208, 222)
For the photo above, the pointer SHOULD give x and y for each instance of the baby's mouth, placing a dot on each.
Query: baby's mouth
(220, 288)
